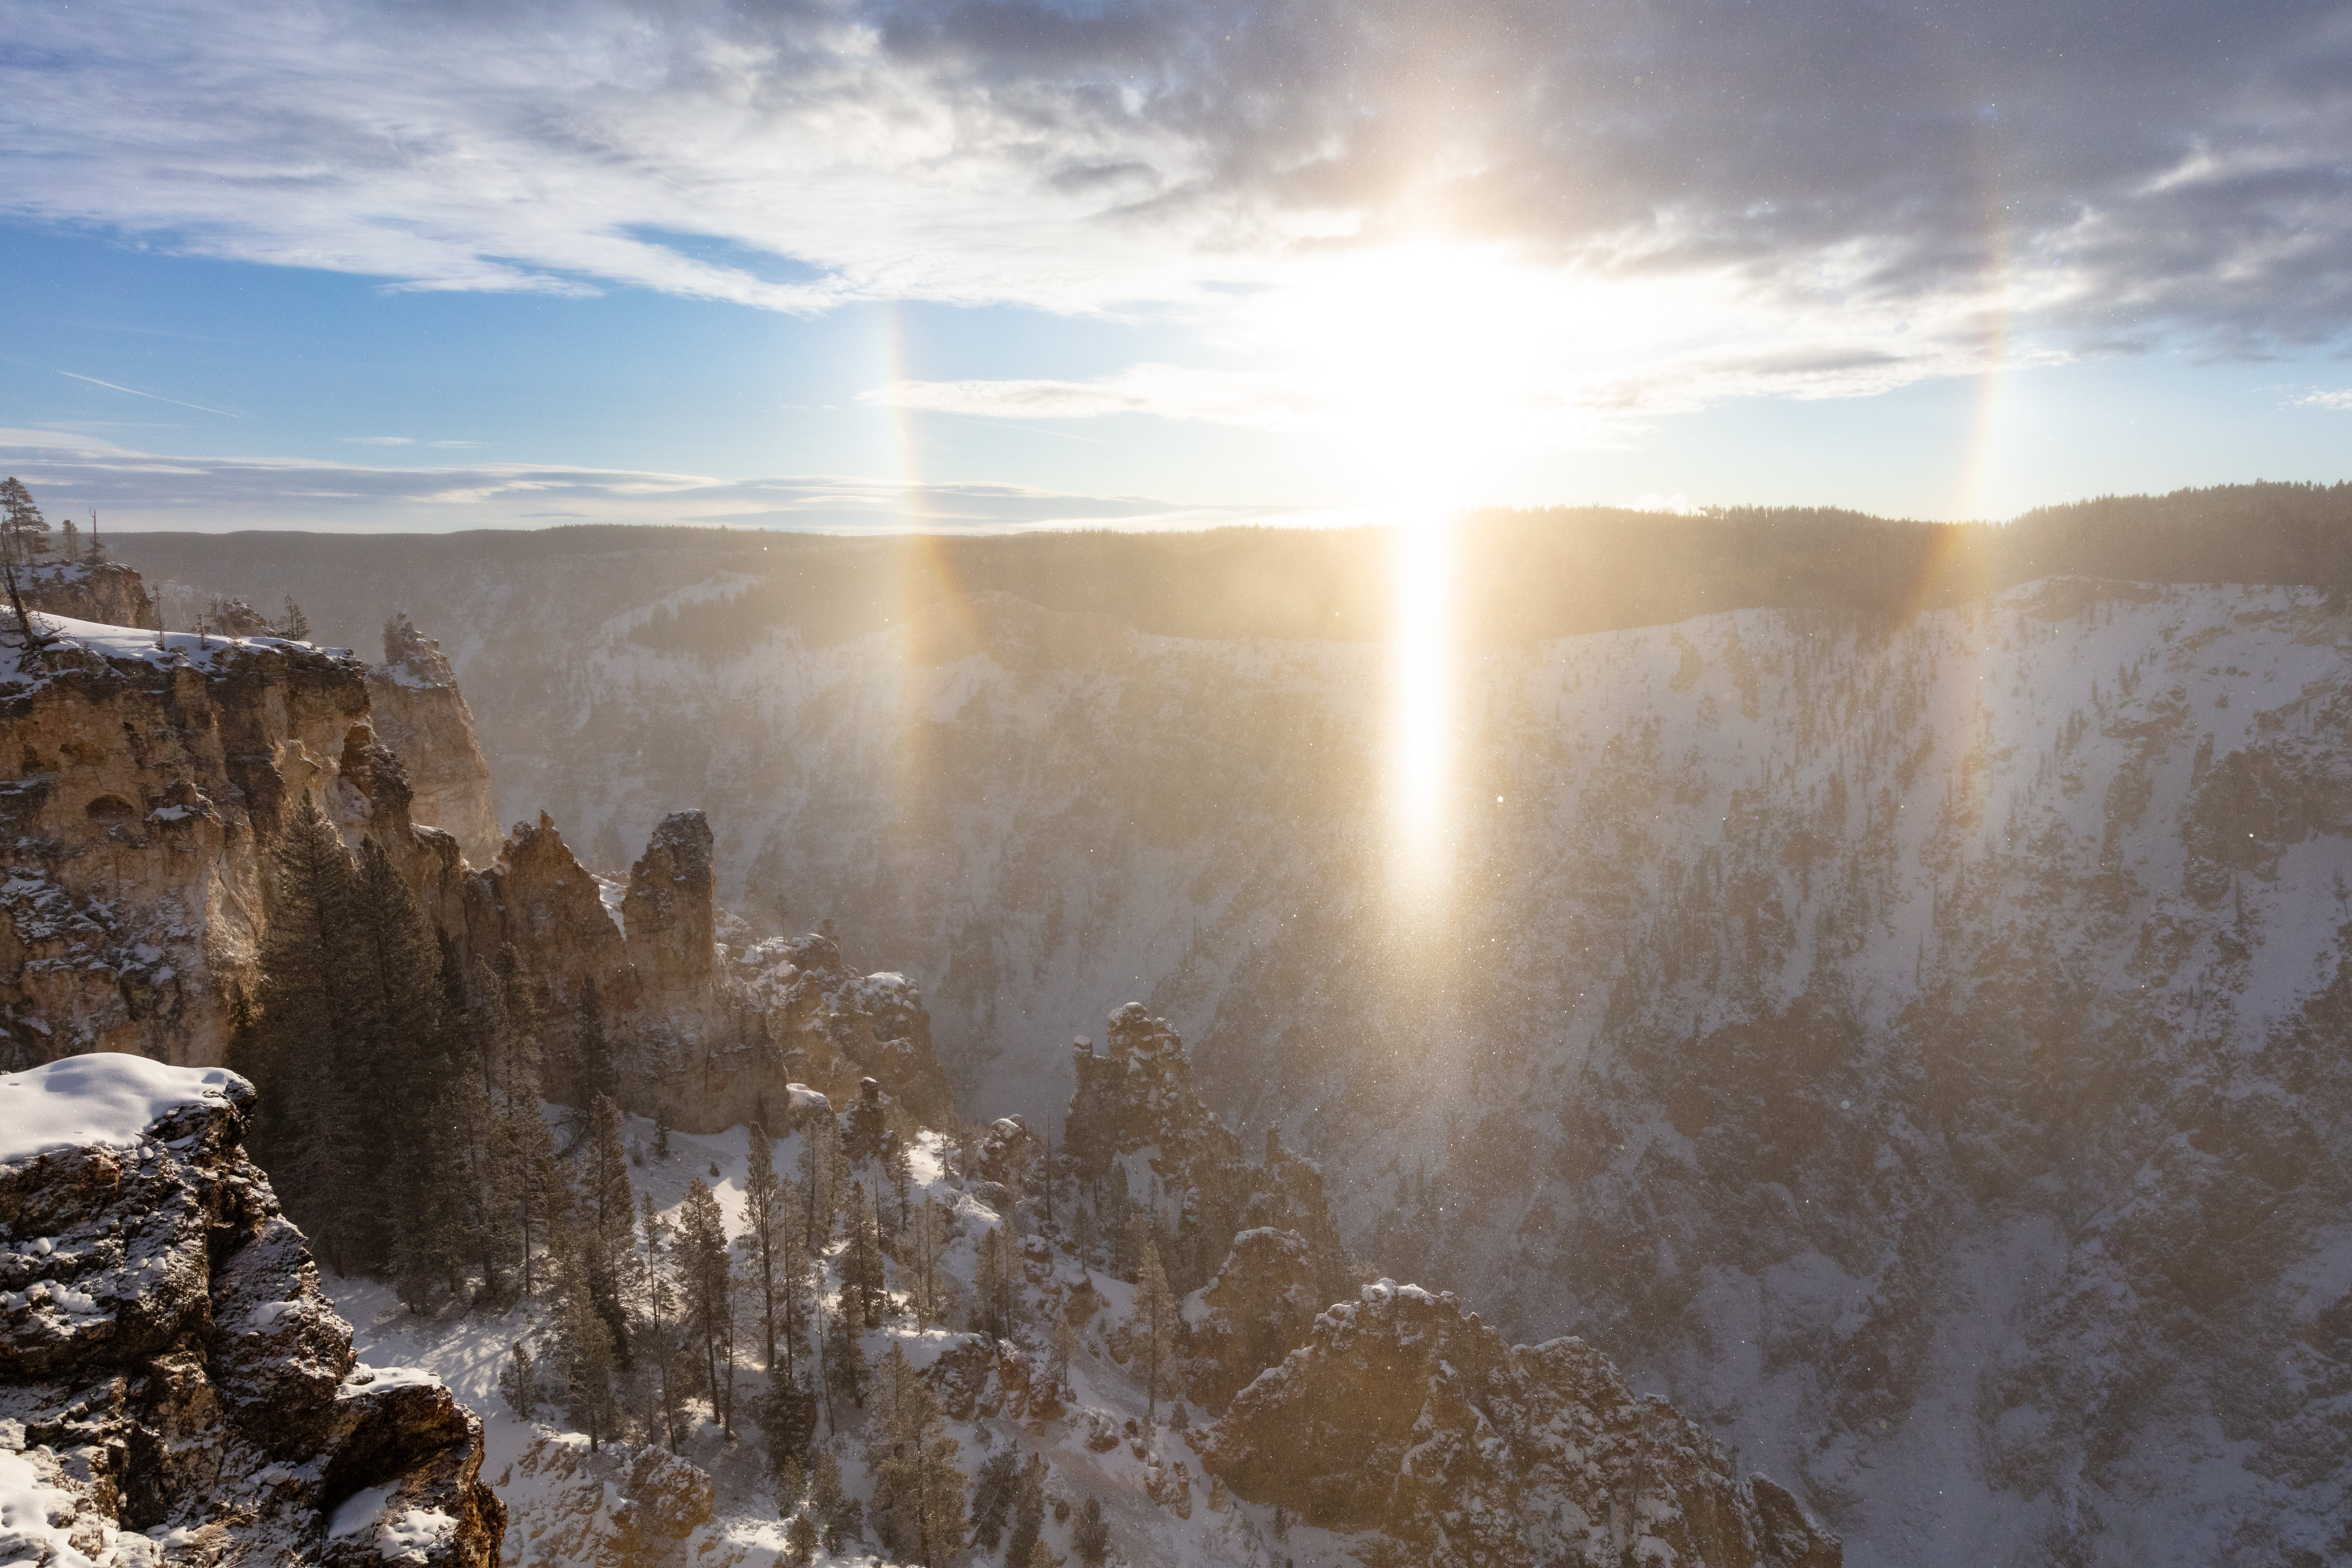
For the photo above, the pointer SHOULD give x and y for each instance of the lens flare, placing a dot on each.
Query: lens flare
(1422, 714)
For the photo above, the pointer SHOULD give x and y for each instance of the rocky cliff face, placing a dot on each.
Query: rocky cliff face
(174, 1387)
(144, 782)
(1403, 1413)
(102, 590)
(1814, 1025)
(141, 787)
(419, 711)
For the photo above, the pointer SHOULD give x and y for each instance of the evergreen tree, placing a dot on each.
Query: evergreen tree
(841, 1516)
(921, 1251)
(918, 1490)
(900, 1167)
(403, 1067)
(867, 1125)
(585, 1350)
(23, 532)
(538, 1195)
(1091, 1535)
(991, 1286)
(1028, 1515)
(294, 626)
(845, 1355)
(704, 1269)
(655, 1287)
(774, 1242)
(994, 1489)
(301, 1043)
(607, 1218)
(593, 1076)
(800, 1542)
(787, 1417)
(862, 1268)
(70, 545)
(1154, 1322)
(824, 1174)
(519, 1382)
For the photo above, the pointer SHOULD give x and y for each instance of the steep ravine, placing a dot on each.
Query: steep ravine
(1910, 1044)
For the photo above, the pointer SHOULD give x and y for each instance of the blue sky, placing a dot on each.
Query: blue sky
(990, 265)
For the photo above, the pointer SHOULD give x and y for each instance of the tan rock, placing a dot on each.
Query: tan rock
(167, 1360)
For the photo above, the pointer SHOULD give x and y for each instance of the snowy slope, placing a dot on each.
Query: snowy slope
(1917, 1034)
(561, 1506)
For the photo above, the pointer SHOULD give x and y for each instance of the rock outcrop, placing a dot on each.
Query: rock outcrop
(145, 783)
(142, 781)
(614, 1508)
(98, 590)
(669, 914)
(1404, 1413)
(1136, 1106)
(1260, 1305)
(419, 712)
(174, 1387)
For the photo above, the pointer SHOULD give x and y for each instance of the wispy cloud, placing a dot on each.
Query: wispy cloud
(2179, 178)
(2337, 400)
(381, 440)
(141, 491)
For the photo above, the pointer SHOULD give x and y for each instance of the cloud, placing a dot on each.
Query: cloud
(141, 492)
(381, 440)
(2336, 400)
(2186, 176)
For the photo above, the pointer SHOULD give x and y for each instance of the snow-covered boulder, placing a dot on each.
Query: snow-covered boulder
(174, 1387)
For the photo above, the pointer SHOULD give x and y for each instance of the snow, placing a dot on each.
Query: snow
(162, 650)
(551, 1499)
(361, 1511)
(103, 1098)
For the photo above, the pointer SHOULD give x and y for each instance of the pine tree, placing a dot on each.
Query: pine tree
(294, 626)
(925, 1242)
(1028, 1515)
(301, 1045)
(607, 1218)
(994, 1489)
(704, 1269)
(1154, 1322)
(402, 1068)
(840, 1515)
(800, 1542)
(1066, 1348)
(656, 1292)
(862, 1268)
(774, 1242)
(519, 1382)
(586, 1353)
(844, 1356)
(593, 1077)
(23, 532)
(823, 1177)
(1091, 1535)
(918, 1490)
(787, 1417)
(70, 545)
(992, 1288)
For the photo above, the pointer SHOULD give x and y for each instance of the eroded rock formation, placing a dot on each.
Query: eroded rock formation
(418, 710)
(174, 1387)
(146, 780)
(1403, 1413)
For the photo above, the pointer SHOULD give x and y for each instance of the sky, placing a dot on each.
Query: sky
(964, 264)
